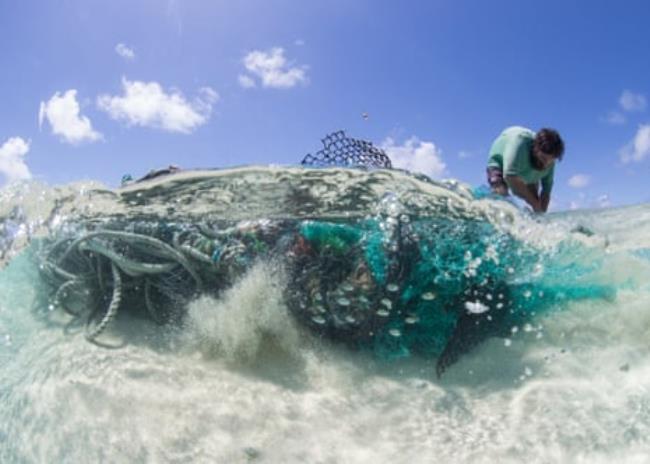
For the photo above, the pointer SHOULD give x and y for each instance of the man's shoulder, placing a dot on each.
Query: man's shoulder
(518, 132)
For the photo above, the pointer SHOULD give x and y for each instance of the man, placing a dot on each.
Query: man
(520, 160)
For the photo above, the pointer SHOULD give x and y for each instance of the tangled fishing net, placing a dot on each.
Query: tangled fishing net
(392, 281)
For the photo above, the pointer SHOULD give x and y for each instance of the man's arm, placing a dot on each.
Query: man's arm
(544, 200)
(547, 185)
(520, 189)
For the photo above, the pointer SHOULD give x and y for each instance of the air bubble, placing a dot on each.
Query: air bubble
(395, 332)
(428, 296)
(320, 320)
(476, 307)
(412, 319)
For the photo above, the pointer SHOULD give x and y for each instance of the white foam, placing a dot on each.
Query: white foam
(250, 316)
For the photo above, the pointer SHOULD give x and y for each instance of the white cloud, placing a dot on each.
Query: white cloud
(579, 181)
(246, 82)
(630, 101)
(465, 154)
(62, 113)
(416, 155)
(273, 69)
(589, 201)
(125, 52)
(639, 148)
(12, 164)
(299, 43)
(615, 118)
(603, 201)
(147, 104)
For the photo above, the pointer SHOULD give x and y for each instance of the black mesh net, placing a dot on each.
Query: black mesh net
(341, 150)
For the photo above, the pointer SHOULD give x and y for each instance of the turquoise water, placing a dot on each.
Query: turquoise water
(251, 372)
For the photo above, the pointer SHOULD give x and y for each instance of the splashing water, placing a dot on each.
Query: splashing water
(326, 301)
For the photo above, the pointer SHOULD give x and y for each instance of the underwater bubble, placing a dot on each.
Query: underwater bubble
(318, 297)
(363, 300)
(499, 305)
(541, 294)
(528, 328)
(511, 270)
(347, 287)
(321, 309)
(528, 371)
(392, 288)
(383, 313)
(507, 342)
(528, 294)
(318, 320)
(514, 329)
(343, 301)
(539, 335)
(50, 307)
(489, 297)
(476, 307)
(428, 296)
(394, 209)
(395, 332)
(350, 319)
(412, 319)
(386, 302)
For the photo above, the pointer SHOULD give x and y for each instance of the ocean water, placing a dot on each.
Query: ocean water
(244, 377)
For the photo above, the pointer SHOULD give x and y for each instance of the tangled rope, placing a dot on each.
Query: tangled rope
(93, 273)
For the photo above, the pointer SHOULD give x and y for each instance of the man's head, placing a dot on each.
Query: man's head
(547, 147)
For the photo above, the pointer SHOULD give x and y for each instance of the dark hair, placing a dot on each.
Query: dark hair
(549, 141)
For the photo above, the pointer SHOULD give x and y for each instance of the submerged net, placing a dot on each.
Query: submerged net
(395, 285)
(341, 150)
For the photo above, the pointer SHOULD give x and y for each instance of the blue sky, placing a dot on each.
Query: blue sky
(94, 90)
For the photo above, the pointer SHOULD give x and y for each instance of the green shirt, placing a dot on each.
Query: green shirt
(511, 153)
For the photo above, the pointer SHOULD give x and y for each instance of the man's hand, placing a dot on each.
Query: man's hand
(520, 189)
